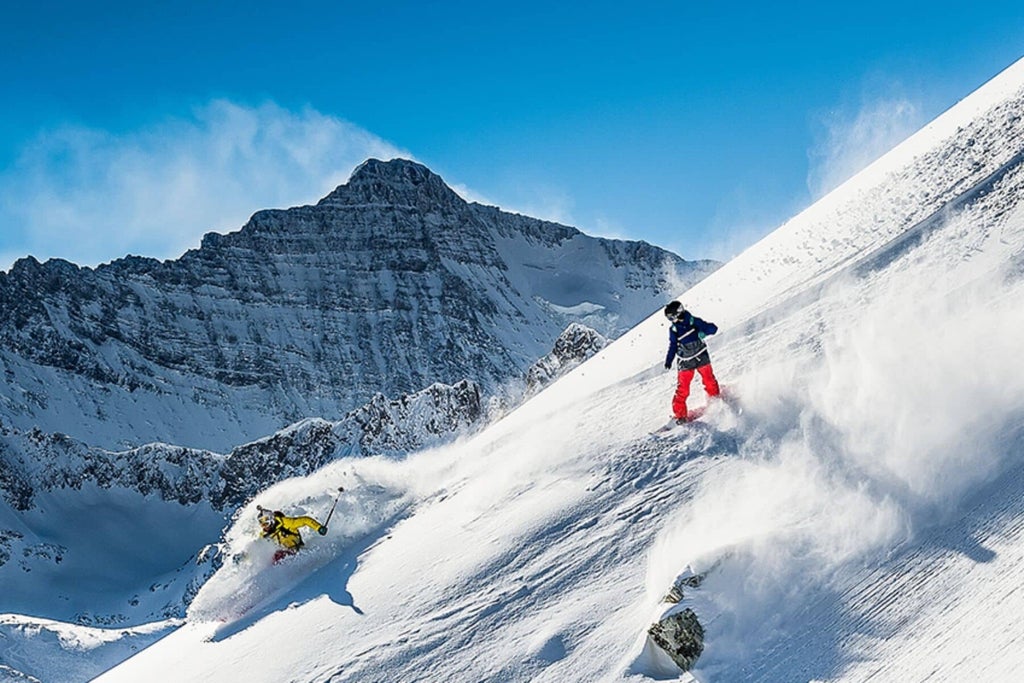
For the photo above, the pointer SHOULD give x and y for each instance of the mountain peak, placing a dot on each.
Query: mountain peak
(395, 170)
(394, 181)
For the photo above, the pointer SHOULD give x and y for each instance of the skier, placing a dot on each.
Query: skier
(285, 530)
(686, 341)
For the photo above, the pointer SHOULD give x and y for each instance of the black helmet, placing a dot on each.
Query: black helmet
(674, 310)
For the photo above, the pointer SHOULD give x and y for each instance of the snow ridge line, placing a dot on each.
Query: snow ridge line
(877, 259)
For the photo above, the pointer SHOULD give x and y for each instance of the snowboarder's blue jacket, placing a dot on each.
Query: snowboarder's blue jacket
(687, 334)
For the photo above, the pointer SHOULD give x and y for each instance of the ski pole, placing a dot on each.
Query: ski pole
(328, 520)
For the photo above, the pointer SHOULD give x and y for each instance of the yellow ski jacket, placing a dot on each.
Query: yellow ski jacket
(286, 530)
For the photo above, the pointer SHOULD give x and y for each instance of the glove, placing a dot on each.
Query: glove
(668, 366)
(322, 531)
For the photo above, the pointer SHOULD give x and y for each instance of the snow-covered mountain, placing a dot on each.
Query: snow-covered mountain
(35, 462)
(68, 508)
(389, 284)
(856, 516)
(49, 482)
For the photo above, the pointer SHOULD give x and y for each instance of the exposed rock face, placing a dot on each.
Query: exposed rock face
(681, 636)
(390, 283)
(7, 537)
(413, 421)
(575, 345)
(35, 461)
(679, 632)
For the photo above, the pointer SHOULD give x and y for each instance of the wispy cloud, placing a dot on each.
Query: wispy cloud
(541, 200)
(609, 228)
(90, 195)
(471, 195)
(849, 138)
(740, 220)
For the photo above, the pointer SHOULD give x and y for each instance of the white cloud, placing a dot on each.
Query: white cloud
(542, 201)
(609, 228)
(89, 195)
(848, 142)
(471, 195)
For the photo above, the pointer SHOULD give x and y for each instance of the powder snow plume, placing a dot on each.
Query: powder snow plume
(910, 405)
(377, 493)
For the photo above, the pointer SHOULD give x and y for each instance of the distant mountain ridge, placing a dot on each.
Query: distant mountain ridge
(35, 462)
(47, 479)
(390, 283)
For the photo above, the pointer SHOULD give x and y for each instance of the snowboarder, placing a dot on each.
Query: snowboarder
(686, 343)
(285, 530)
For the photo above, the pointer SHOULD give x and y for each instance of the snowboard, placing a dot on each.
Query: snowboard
(727, 396)
(691, 416)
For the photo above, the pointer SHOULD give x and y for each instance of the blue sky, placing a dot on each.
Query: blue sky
(136, 128)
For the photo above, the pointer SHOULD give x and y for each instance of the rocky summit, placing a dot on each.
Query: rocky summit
(390, 283)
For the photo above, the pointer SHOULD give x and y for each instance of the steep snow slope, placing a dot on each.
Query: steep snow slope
(865, 504)
(68, 509)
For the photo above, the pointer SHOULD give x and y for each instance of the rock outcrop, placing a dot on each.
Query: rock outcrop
(35, 461)
(575, 345)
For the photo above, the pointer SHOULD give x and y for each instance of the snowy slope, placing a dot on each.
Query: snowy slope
(68, 509)
(86, 650)
(863, 508)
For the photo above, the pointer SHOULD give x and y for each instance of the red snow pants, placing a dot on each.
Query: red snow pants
(707, 375)
(283, 553)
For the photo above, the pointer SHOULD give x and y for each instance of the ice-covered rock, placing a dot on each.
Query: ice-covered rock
(680, 635)
(575, 345)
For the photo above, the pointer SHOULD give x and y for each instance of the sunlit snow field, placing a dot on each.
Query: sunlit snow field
(859, 503)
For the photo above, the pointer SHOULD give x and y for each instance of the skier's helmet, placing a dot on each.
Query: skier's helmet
(267, 520)
(674, 310)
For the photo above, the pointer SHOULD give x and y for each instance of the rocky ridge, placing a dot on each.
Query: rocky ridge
(390, 283)
(35, 461)
(575, 345)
